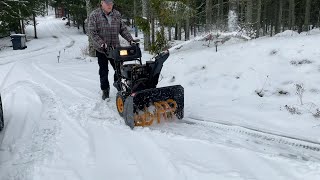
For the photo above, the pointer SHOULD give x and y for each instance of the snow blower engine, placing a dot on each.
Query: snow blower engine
(138, 100)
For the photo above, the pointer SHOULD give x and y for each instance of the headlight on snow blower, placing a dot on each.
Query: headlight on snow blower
(124, 53)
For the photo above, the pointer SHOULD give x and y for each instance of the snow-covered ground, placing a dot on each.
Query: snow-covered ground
(251, 112)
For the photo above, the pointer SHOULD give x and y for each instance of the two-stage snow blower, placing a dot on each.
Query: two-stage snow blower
(138, 100)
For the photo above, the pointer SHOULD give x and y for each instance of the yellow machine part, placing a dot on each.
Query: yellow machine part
(163, 109)
(120, 104)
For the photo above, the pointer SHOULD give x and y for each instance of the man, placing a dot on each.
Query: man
(104, 27)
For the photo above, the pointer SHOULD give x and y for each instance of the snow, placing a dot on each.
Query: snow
(287, 33)
(57, 126)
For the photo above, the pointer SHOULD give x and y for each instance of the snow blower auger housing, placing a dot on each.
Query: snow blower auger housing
(139, 101)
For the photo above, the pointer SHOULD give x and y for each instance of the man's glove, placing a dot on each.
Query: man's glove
(134, 41)
(104, 46)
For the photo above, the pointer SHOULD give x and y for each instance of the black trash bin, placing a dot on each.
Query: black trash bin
(18, 41)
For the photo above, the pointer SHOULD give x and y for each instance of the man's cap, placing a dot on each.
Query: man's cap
(108, 1)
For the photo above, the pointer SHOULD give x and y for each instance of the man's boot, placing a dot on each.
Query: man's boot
(105, 94)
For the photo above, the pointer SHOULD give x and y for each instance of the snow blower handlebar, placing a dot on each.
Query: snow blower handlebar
(135, 41)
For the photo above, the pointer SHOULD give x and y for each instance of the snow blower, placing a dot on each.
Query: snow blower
(138, 100)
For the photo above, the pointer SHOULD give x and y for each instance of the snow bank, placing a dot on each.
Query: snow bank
(287, 33)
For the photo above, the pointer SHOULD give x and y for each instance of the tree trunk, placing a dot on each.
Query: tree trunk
(69, 23)
(169, 34)
(292, 17)
(271, 17)
(135, 15)
(195, 27)
(179, 30)
(187, 29)
(208, 15)
(146, 14)
(249, 12)
(242, 10)
(220, 14)
(280, 16)
(22, 27)
(187, 25)
(35, 26)
(264, 20)
(258, 25)
(271, 28)
(307, 15)
(319, 18)
(176, 32)
(153, 39)
(275, 19)
(192, 26)
(195, 31)
(78, 21)
(83, 28)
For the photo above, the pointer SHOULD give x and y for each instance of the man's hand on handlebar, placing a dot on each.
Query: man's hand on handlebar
(104, 46)
(135, 41)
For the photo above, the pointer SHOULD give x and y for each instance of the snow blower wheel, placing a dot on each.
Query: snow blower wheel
(120, 104)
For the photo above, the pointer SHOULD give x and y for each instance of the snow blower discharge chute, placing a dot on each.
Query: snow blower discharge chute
(138, 100)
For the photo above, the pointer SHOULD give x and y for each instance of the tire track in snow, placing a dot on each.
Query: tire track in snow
(27, 56)
(24, 54)
(268, 136)
(96, 116)
(7, 76)
(70, 44)
(57, 28)
(153, 152)
(97, 111)
(243, 137)
(29, 145)
(104, 122)
(69, 88)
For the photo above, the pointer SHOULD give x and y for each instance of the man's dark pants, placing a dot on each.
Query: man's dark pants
(104, 70)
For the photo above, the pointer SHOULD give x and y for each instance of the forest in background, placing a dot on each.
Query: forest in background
(163, 21)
